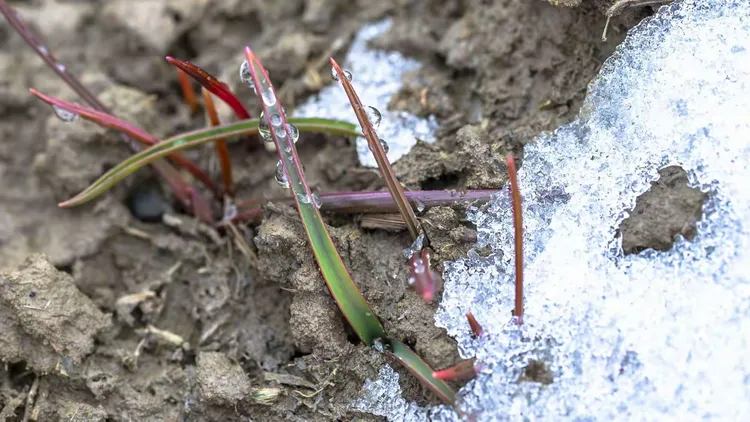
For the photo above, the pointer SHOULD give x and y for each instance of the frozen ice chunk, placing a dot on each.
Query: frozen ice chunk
(654, 336)
(376, 75)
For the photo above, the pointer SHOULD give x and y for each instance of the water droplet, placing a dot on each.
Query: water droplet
(419, 204)
(263, 129)
(66, 116)
(245, 75)
(43, 50)
(335, 75)
(412, 281)
(383, 144)
(288, 148)
(269, 98)
(419, 266)
(415, 247)
(281, 178)
(378, 344)
(294, 131)
(230, 211)
(373, 115)
(275, 119)
(60, 67)
(303, 198)
(316, 200)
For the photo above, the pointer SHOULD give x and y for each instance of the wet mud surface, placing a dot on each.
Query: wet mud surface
(129, 309)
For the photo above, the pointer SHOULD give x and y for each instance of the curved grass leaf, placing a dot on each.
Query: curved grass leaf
(342, 287)
(109, 121)
(222, 151)
(422, 371)
(192, 140)
(163, 169)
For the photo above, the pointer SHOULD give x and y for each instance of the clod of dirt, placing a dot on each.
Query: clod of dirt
(219, 381)
(46, 321)
(669, 208)
(469, 160)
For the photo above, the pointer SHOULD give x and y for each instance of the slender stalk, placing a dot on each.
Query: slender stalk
(386, 171)
(188, 93)
(191, 140)
(221, 144)
(169, 173)
(381, 201)
(212, 84)
(518, 226)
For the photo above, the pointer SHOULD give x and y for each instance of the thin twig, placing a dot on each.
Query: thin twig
(518, 226)
(221, 144)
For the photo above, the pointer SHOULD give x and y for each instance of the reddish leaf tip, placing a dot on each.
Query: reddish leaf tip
(476, 328)
(461, 370)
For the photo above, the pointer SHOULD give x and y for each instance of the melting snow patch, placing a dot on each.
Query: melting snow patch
(654, 336)
(376, 75)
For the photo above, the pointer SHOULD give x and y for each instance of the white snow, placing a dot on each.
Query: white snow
(376, 75)
(653, 336)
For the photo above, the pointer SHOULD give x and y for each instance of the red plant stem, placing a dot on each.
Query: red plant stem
(425, 281)
(188, 93)
(382, 201)
(221, 144)
(518, 226)
(200, 207)
(386, 171)
(108, 120)
(462, 370)
(475, 327)
(169, 173)
(212, 84)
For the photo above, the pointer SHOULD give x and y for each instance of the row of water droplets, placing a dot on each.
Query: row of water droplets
(373, 114)
(275, 120)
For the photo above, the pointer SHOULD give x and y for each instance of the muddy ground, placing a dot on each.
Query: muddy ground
(129, 309)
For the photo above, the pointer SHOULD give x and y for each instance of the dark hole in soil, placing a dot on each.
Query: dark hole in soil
(668, 209)
(351, 336)
(537, 371)
(147, 203)
(446, 181)
(68, 268)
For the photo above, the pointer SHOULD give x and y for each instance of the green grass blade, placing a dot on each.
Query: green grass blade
(422, 371)
(194, 139)
(342, 287)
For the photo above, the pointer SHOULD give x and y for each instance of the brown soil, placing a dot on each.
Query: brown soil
(125, 319)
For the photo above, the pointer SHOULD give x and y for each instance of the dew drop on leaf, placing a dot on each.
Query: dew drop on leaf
(335, 75)
(294, 132)
(245, 75)
(303, 198)
(263, 129)
(373, 115)
(281, 176)
(316, 201)
(66, 116)
(269, 98)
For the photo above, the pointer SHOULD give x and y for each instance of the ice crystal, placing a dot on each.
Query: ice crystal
(376, 75)
(653, 336)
